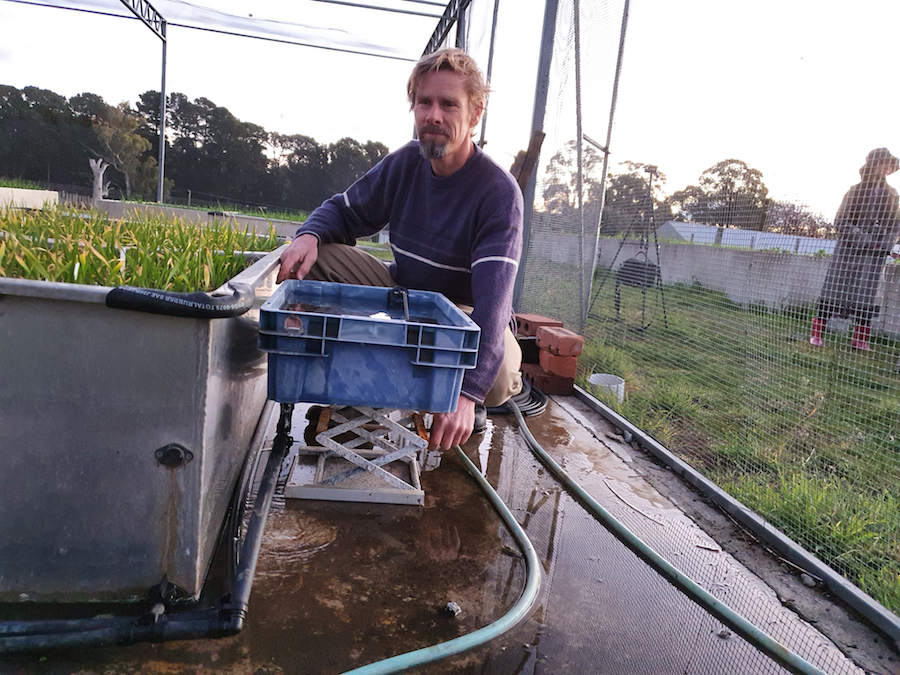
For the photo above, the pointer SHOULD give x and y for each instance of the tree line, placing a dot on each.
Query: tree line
(211, 155)
(728, 194)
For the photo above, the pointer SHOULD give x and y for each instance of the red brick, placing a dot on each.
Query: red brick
(559, 341)
(528, 324)
(547, 383)
(564, 366)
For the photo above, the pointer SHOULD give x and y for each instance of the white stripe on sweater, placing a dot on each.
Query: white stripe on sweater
(430, 262)
(496, 258)
(427, 261)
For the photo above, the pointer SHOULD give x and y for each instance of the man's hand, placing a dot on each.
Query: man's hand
(449, 429)
(298, 258)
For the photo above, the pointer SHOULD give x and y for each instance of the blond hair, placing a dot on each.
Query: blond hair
(455, 61)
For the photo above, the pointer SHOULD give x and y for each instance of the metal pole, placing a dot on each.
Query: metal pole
(612, 112)
(461, 41)
(448, 18)
(356, 5)
(490, 66)
(537, 124)
(161, 180)
(579, 177)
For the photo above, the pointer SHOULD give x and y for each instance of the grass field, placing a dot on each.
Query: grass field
(808, 437)
(147, 251)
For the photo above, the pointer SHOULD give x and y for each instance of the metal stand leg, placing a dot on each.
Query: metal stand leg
(370, 456)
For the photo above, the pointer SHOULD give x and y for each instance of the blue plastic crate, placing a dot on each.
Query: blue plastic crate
(353, 345)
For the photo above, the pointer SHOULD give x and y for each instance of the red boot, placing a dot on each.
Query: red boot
(861, 337)
(815, 334)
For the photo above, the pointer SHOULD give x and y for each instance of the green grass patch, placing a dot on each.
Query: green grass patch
(381, 251)
(809, 437)
(233, 209)
(16, 183)
(848, 530)
(146, 250)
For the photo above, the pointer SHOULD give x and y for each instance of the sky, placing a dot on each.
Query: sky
(799, 90)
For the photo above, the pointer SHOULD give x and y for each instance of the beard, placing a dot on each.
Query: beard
(433, 149)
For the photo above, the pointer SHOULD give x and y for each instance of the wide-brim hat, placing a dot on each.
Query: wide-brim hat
(880, 156)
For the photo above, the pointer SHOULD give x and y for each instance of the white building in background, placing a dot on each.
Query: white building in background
(696, 233)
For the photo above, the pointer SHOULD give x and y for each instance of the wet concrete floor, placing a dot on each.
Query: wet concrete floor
(341, 585)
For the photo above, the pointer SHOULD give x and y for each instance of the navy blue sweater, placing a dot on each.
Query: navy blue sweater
(460, 235)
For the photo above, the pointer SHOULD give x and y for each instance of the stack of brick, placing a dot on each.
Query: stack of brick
(549, 353)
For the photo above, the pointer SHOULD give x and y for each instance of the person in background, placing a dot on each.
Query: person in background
(455, 228)
(867, 224)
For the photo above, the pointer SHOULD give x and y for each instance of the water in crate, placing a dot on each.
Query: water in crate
(295, 323)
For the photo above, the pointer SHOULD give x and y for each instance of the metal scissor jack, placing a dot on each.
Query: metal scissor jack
(371, 455)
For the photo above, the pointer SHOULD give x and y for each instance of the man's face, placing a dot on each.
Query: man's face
(444, 119)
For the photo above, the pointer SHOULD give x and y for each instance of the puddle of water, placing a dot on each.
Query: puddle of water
(587, 454)
(292, 538)
(340, 585)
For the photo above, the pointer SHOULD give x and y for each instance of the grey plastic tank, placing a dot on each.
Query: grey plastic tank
(122, 436)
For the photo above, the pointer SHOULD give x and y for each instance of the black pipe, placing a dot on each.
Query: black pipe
(188, 305)
(224, 620)
(253, 541)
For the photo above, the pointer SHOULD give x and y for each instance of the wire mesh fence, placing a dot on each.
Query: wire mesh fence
(758, 339)
(638, 622)
(604, 611)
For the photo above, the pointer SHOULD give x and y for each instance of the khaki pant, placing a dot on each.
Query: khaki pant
(350, 265)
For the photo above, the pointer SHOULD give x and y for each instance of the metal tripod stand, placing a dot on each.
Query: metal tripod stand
(638, 271)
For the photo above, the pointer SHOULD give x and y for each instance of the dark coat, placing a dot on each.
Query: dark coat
(868, 224)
